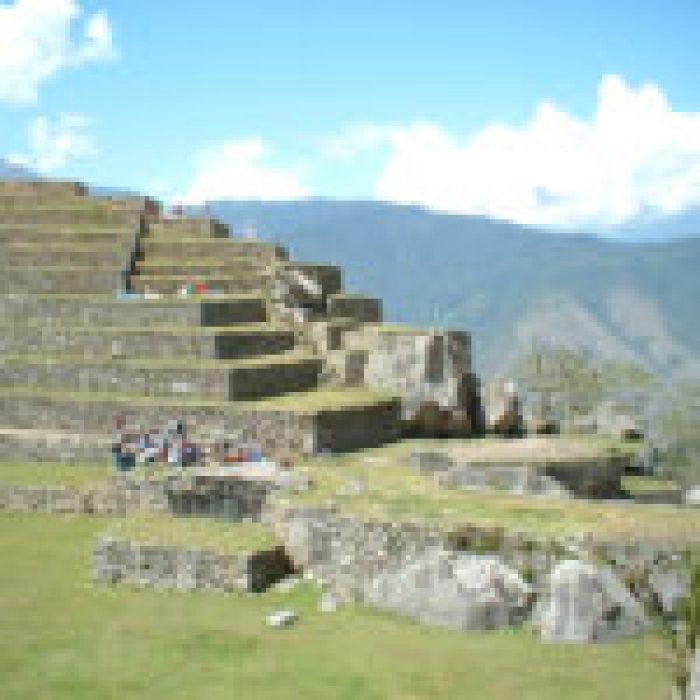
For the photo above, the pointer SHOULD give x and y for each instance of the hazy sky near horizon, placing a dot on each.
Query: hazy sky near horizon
(574, 114)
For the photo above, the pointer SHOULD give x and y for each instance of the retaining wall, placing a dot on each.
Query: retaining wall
(158, 566)
(132, 312)
(105, 342)
(247, 381)
(344, 552)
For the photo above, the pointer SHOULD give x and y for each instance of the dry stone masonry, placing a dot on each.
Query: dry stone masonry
(108, 306)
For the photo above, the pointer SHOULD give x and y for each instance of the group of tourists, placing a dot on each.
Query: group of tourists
(132, 447)
(169, 445)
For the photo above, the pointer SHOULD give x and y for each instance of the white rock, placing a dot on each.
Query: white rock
(281, 618)
(461, 591)
(692, 496)
(587, 603)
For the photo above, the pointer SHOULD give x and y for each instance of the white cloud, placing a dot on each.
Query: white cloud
(38, 38)
(237, 170)
(54, 145)
(635, 155)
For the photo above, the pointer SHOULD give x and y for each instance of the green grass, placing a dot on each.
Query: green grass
(204, 533)
(395, 490)
(53, 474)
(647, 484)
(316, 400)
(63, 637)
(290, 357)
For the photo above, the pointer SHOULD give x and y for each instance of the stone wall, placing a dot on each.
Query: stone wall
(48, 446)
(132, 312)
(593, 477)
(245, 381)
(190, 227)
(344, 553)
(105, 342)
(255, 283)
(361, 308)
(159, 566)
(278, 432)
(113, 255)
(104, 280)
(419, 366)
(117, 496)
(180, 493)
(165, 247)
(71, 216)
(363, 426)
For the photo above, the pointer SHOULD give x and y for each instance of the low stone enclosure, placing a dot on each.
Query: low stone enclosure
(528, 466)
(463, 575)
(160, 566)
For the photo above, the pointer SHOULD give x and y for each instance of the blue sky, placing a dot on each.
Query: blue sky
(553, 113)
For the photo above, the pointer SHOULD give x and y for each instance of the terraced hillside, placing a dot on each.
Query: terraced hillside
(94, 325)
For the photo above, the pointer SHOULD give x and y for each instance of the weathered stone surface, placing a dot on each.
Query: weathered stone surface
(587, 603)
(159, 566)
(57, 311)
(669, 584)
(460, 591)
(530, 470)
(243, 380)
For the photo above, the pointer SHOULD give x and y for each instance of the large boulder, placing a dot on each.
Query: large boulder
(460, 591)
(583, 602)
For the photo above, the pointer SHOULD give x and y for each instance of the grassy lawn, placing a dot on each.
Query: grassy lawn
(54, 474)
(394, 489)
(648, 484)
(63, 637)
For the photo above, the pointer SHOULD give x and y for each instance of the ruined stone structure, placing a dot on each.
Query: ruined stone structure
(109, 307)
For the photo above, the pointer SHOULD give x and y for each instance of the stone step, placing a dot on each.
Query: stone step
(59, 278)
(48, 188)
(227, 284)
(59, 310)
(109, 255)
(212, 379)
(229, 343)
(33, 445)
(211, 247)
(38, 236)
(292, 425)
(24, 204)
(68, 216)
(152, 265)
(73, 278)
(188, 227)
(9, 200)
(354, 306)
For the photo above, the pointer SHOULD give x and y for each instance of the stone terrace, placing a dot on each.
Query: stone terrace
(78, 345)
